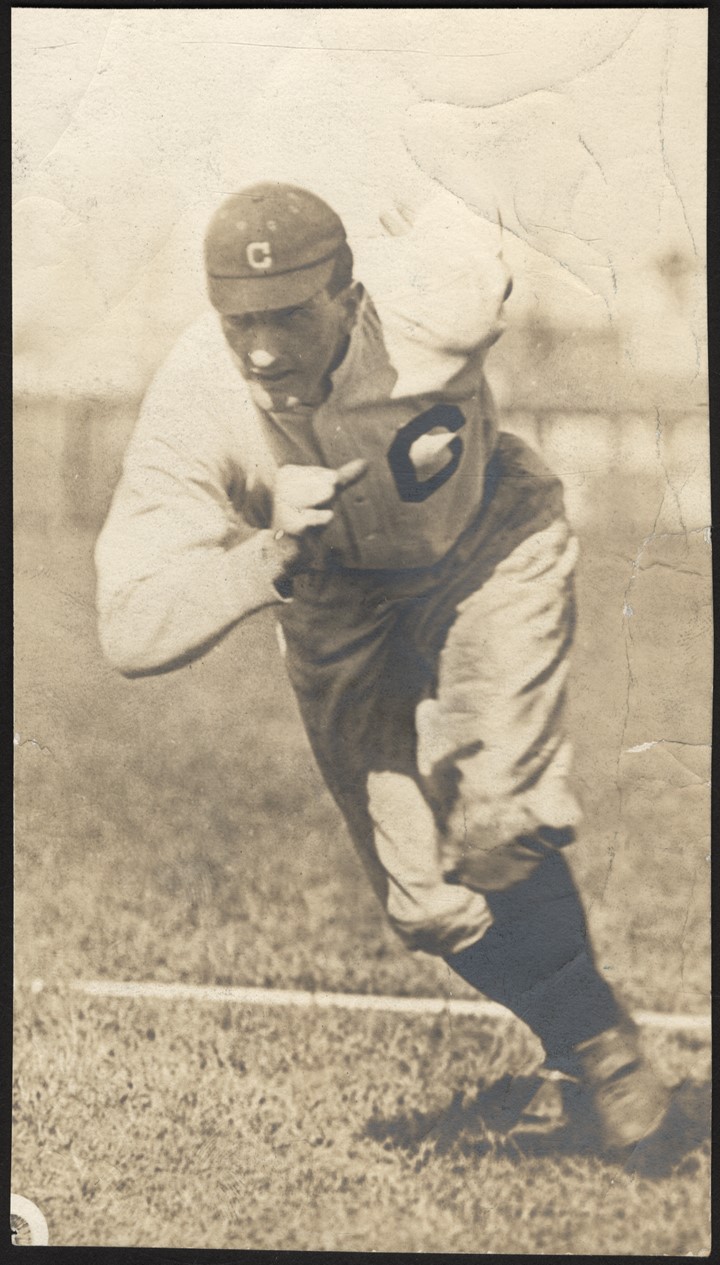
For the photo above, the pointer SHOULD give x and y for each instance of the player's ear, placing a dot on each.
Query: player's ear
(350, 300)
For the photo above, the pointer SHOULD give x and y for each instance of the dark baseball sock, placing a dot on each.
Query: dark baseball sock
(536, 960)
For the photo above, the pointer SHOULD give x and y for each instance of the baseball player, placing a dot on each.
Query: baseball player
(421, 568)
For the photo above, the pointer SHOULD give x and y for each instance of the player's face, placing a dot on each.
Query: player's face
(290, 351)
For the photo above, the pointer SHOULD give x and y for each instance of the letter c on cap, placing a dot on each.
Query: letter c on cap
(258, 255)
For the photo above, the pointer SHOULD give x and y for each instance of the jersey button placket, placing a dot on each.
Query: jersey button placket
(333, 443)
(353, 505)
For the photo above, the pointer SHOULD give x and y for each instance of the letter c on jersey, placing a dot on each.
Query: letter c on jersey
(258, 255)
(409, 487)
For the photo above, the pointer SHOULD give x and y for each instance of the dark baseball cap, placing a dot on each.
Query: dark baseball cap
(270, 246)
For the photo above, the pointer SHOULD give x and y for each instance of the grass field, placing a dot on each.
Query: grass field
(176, 829)
(212, 1127)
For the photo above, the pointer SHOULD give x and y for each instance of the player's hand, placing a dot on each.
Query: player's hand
(303, 499)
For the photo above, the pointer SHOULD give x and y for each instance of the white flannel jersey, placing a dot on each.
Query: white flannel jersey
(175, 566)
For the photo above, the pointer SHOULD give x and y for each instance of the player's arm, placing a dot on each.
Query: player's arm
(173, 572)
(439, 282)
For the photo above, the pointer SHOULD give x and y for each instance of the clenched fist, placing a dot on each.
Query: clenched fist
(303, 499)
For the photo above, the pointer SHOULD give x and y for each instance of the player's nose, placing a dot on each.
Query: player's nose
(261, 359)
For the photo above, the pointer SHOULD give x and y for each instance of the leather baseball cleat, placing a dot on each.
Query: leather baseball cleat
(628, 1099)
(607, 1100)
(545, 1116)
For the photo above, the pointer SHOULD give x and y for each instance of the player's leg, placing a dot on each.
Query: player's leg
(358, 682)
(495, 751)
(493, 743)
(361, 654)
(536, 959)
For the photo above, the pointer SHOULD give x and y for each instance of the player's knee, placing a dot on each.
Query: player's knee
(503, 867)
(427, 931)
(426, 936)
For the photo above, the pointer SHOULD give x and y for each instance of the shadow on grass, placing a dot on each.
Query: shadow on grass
(495, 1120)
(468, 1125)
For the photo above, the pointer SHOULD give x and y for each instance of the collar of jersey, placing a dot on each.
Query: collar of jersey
(365, 374)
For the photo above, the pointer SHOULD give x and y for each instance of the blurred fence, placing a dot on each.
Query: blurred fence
(571, 396)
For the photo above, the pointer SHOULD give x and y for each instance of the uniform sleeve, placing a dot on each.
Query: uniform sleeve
(173, 571)
(439, 290)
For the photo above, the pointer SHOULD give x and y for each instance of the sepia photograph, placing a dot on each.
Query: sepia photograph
(363, 630)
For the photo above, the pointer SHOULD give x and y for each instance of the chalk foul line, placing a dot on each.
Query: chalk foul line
(304, 1000)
